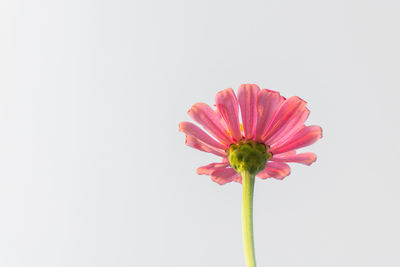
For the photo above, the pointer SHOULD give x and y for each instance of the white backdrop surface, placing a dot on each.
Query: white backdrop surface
(93, 170)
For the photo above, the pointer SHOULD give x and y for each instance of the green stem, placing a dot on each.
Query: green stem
(247, 218)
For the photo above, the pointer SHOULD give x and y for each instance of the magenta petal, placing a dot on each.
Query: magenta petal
(293, 125)
(206, 116)
(247, 96)
(303, 158)
(237, 178)
(191, 129)
(287, 111)
(268, 102)
(285, 154)
(277, 170)
(208, 169)
(223, 175)
(228, 107)
(263, 174)
(305, 137)
(196, 143)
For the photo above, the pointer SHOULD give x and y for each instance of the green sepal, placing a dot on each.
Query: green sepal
(248, 156)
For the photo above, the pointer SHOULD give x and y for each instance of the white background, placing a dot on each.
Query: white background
(93, 170)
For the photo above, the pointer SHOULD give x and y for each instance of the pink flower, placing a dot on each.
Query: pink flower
(267, 118)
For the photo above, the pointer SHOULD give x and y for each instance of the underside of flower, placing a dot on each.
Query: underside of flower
(248, 156)
(275, 124)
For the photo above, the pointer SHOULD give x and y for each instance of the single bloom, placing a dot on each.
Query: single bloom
(258, 131)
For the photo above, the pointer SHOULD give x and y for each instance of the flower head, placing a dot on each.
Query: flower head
(271, 130)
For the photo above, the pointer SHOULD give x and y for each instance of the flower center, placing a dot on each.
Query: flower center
(248, 156)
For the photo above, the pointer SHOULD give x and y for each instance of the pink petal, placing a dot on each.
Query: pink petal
(237, 178)
(223, 123)
(263, 174)
(287, 111)
(191, 129)
(247, 96)
(208, 169)
(277, 170)
(268, 102)
(305, 137)
(223, 176)
(293, 125)
(206, 116)
(228, 107)
(303, 158)
(285, 154)
(196, 143)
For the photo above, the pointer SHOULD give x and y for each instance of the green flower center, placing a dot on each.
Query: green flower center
(248, 156)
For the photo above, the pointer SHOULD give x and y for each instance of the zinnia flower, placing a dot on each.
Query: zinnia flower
(271, 131)
(267, 118)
